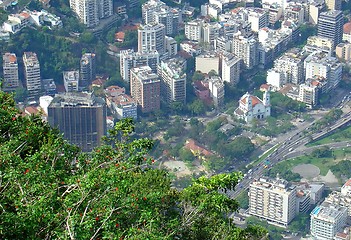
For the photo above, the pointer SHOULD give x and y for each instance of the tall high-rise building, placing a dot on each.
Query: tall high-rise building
(81, 117)
(327, 221)
(87, 69)
(151, 37)
(10, 71)
(32, 73)
(155, 11)
(90, 12)
(145, 88)
(173, 80)
(246, 48)
(230, 68)
(333, 4)
(330, 25)
(130, 59)
(273, 200)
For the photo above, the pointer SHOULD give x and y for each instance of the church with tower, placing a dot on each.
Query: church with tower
(252, 107)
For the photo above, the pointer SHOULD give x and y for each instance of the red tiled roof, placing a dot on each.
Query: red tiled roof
(193, 146)
(254, 100)
(347, 28)
(348, 183)
(31, 110)
(120, 36)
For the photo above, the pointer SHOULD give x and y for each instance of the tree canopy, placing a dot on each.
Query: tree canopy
(49, 189)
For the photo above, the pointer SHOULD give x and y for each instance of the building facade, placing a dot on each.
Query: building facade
(172, 73)
(327, 221)
(343, 51)
(145, 88)
(246, 48)
(32, 74)
(273, 200)
(10, 71)
(130, 59)
(90, 12)
(87, 71)
(230, 68)
(71, 81)
(330, 25)
(81, 117)
(151, 37)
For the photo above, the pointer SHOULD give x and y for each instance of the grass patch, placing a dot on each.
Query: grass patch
(340, 135)
(243, 199)
(324, 164)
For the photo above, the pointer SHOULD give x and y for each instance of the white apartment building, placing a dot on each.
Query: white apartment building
(130, 59)
(207, 62)
(149, 10)
(171, 46)
(275, 78)
(90, 12)
(258, 18)
(16, 22)
(151, 37)
(32, 73)
(319, 64)
(309, 92)
(71, 81)
(230, 68)
(322, 44)
(246, 49)
(120, 104)
(216, 87)
(193, 30)
(327, 221)
(295, 12)
(10, 72)
(273, 200)
(173, 80)
(291, 66)
(210, 32)
(342, 198)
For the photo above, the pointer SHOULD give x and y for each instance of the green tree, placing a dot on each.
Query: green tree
(87, 37)
(50, 190)
(197, 107)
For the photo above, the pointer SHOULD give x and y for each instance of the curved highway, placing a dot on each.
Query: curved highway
(287, 149)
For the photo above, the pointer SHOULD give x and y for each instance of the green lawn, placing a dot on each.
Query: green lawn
(323, 164)
(340, 135)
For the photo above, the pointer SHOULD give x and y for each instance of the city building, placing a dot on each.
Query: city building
(322, 44)
(130, 59)
(230, 68)
(216, 87)
(149, 9)
(87, 71)
(327, 221)
(120, 104)
(192, 48)
(49, 86)
(290, 66)
(330, 25)
(90, 12)
(210, 32)
(151, 37)
(311, 90)
(81, 117)
(207, 62)
(10, 72)
(346, 36)
(307, 195)
(246, 48)
(258, 18)
(333, 4)
(341, 198)
(321, 65)
(251, 107)
(32, 74)
(275, 12)
(295, 12)
(145, 88)
(193, 30)
(343, 51)
(315, 8)
(171, 46)
(172, 73)
(71, 80)
(16, 22)
(273, 200)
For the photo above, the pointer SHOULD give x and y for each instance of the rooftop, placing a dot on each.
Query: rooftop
(347, 28)
(328, 213)
(76, 99)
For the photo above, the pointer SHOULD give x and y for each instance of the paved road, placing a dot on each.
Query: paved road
(292, 147)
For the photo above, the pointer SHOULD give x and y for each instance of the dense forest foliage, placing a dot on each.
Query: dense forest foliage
(51, 190)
